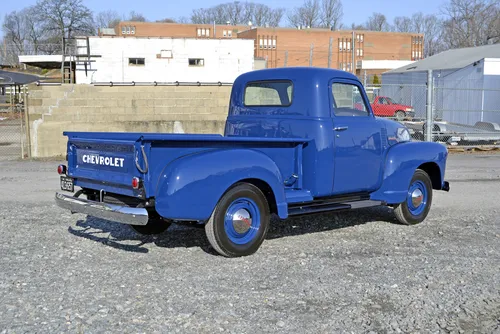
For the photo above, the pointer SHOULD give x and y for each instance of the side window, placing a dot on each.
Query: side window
(268, 93)
(347, 100)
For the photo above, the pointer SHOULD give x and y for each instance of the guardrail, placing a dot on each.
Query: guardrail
(153, 83)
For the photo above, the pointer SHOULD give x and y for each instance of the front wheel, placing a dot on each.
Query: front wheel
(400, 115)
(240, 221)
(418, 200)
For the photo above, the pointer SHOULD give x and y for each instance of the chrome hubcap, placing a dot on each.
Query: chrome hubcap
(416, 197)
(242, 221)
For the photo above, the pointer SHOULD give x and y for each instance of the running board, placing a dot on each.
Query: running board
(308, 208)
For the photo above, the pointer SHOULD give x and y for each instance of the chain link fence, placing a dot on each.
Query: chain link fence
(461, 113)
(13, 141)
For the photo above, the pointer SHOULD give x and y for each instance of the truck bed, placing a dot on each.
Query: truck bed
(108, 161)
(132, 136)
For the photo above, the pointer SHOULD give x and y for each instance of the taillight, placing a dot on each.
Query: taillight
(135, 182)
(61, 169)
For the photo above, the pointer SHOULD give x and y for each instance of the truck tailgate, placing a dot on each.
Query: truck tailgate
(103, 164)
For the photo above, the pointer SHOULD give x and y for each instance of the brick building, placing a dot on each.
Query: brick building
(361, 52)
(158, 29)
(322, 47)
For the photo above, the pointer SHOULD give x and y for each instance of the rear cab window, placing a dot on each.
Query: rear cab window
(272, 93)
(347, 100)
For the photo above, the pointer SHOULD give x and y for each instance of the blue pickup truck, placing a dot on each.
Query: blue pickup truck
(296, 141)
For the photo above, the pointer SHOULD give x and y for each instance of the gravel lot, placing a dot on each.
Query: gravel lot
(352, 272)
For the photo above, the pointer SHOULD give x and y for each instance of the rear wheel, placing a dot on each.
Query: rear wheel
(240, 221)
(418, 201)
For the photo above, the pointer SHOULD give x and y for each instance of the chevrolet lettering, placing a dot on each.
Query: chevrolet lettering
(102, 160)
(297, 141)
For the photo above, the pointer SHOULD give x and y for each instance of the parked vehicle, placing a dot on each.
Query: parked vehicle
(295, 143)
(384, 106)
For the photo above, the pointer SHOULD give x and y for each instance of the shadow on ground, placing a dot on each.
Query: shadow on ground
(123, 237)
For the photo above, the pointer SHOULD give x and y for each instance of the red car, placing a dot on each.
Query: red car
(385, 107)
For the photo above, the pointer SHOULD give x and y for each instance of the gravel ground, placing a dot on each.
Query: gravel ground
(352, 272)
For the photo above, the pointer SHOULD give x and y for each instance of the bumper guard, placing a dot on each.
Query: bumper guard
(120, 214)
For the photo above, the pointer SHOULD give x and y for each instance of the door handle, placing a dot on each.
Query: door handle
(340, 128)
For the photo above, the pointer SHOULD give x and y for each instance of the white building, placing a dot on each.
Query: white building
(160, 59)
(166, 59)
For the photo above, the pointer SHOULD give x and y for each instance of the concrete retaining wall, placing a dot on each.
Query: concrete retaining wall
(167, 109)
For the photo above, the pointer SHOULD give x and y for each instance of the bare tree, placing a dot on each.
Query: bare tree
(276, 17)
(403, 24)
(183, 19)
(429, 25)
(166, 20)
(331, 14)
(136, 17)
(35, 29)
(355, 26)
(14, 29)
(377, 22)
(23, 34)
(65, 18)
(235, 12)
(307, 15)
(107, 19)
(260, 14)
(238, 13)
(470, 23)
(432, 30)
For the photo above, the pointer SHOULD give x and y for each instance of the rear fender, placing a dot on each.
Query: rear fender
(190, 187)
(400, 164)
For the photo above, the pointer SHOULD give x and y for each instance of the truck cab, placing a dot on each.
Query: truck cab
(296, 141)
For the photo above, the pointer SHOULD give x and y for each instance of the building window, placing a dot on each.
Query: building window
(137, 61)
(196, 62)
(128, 30)
(229, 33)
(203, 32)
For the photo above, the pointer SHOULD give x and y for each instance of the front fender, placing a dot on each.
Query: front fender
(400, 164)
(190, 187)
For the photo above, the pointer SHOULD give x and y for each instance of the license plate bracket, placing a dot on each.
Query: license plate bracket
(67, 184)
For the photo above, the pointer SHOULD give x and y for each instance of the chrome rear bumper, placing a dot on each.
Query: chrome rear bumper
(120, 214)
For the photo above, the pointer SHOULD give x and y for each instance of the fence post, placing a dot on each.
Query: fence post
(286, 58)
(428, 118)
(20, 110)
(27, 121)
(330, 52)
(311, 55)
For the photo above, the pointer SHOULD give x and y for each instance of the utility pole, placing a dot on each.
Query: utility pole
(330, 52)
(286, 58)
(311, 55)
(353, 47)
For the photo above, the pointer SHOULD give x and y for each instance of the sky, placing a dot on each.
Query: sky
(355, 11)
